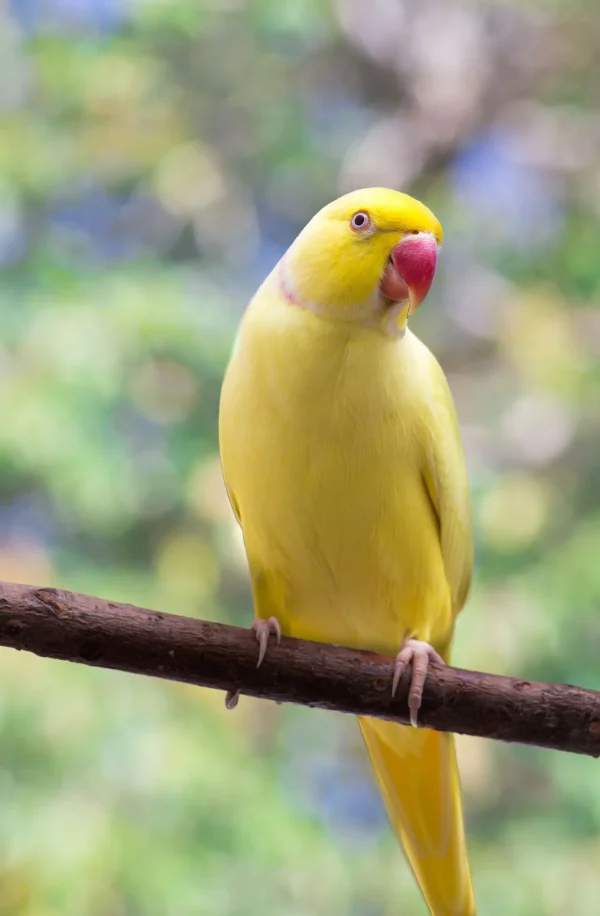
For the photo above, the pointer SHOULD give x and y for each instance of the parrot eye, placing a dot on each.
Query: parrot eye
(360, 221)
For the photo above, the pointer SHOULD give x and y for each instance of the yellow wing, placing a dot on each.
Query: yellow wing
(445, 476)
(416, 769)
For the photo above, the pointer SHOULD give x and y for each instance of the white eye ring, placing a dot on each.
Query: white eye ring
(360, 222)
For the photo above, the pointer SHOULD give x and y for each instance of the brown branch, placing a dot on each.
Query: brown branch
(91, 631)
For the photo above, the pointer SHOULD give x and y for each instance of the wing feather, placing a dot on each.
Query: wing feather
(445, 476)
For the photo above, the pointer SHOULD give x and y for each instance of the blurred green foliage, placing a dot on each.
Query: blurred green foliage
(156, 158)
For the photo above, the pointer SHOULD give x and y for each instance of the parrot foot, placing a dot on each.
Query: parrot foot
(263, 629)
(418, 654)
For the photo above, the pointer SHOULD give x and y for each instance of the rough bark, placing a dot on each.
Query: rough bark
(92, 631)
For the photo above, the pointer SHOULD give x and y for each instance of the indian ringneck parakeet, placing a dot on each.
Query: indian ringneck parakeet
(344, 465)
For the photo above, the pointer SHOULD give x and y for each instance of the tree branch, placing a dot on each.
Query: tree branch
(91, 631)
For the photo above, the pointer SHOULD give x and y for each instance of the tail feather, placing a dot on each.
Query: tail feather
(418, 778)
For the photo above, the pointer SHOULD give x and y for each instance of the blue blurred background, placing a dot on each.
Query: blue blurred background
(156, 158)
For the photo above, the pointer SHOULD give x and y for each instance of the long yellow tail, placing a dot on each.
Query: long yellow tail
(418, 778)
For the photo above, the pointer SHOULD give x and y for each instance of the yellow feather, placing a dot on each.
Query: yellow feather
(343, 461)
(418, 778)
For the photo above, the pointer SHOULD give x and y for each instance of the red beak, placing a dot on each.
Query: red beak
(414, 260)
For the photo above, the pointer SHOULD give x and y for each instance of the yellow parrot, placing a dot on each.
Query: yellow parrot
(344, 465)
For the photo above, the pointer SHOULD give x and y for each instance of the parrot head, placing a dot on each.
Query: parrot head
(369, 257)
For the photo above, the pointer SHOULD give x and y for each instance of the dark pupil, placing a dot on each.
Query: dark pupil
(359, 220)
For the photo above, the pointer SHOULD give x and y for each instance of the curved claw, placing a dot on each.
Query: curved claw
(419, 654)
(231, 699)
(264, 629)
